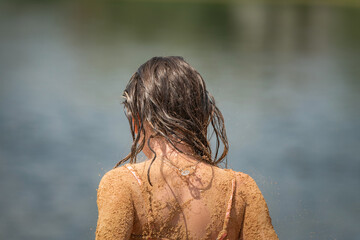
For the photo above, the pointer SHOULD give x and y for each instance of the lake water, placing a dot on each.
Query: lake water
(286, 77)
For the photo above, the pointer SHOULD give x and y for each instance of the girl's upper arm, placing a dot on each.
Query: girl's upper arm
(115, 206)
(256, 222)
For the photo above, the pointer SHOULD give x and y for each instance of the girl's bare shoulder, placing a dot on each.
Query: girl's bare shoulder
(244, 182)
(119, 176)
(241, 177)
(246, 187)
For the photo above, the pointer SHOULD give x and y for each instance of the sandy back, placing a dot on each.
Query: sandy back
(182, 207)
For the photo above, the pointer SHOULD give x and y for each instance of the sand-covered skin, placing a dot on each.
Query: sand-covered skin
(180, 207)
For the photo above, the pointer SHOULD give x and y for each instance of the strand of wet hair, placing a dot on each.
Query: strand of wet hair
(152, 160)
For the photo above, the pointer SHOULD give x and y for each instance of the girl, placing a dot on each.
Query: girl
(180, 192)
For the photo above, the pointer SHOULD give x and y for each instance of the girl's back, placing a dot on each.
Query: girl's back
(209, 203)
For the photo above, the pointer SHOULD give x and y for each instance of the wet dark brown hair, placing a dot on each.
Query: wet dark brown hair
(171, 96)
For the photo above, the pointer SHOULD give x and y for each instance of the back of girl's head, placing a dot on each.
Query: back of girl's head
(171, 96)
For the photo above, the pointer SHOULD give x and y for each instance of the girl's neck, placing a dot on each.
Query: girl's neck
(163, 149)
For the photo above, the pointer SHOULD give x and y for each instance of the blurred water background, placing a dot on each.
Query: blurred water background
(286, 77)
